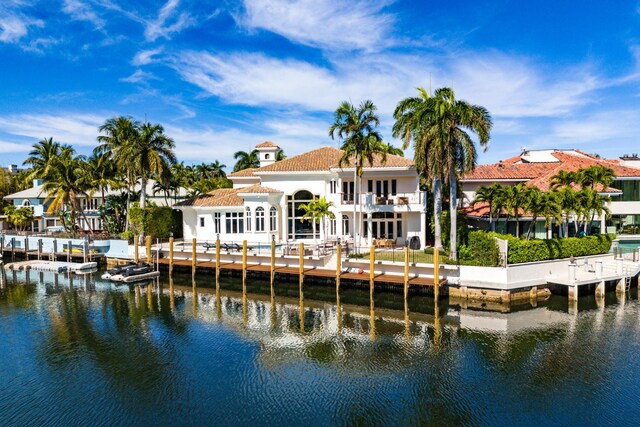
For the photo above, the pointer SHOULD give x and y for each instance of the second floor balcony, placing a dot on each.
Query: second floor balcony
(392, 202)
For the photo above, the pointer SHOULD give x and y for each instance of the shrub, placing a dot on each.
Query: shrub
(154, 221)
(540, 250)
(482, 249)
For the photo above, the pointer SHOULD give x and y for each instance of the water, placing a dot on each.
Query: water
(90, 353)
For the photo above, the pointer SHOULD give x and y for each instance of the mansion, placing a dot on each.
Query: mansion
(264, 203)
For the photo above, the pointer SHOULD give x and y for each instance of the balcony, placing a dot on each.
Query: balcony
(399, 202)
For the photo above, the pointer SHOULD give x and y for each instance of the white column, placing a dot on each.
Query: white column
(603, 222)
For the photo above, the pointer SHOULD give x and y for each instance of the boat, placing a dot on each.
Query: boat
(137, 272)
(118, 270)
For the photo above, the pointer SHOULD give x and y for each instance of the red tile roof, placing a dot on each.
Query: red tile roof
(267, 144)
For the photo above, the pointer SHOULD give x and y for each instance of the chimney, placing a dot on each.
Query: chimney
(268, 151)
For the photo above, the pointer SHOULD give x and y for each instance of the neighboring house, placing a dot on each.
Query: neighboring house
(36, 199)
(537, 167)
(264, 203)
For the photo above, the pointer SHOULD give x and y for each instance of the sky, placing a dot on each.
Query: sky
(223, 76)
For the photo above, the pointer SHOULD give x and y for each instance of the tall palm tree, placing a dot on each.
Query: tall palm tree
(42, 156)
(280, 155)
(117, 133)
(217, 169)
(413, 125)
(356, 128)
(516, 198)
(246, 160)
(151, 154)
(101, 173)
(438, 125)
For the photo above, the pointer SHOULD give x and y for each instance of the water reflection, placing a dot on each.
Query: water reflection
(252, 353)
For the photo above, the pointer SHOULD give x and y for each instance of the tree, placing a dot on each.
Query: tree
(317, 211)
(490, 195)
(21, 217)
(246, 160)
(439, 124)
(355, 127)
(516, 199)
(101, 171)
(280, 155)
(43, 154)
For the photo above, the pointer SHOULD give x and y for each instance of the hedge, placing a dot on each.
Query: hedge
(540, 250)
(482, 250)
(156, 221)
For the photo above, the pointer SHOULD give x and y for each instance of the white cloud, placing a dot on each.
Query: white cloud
(351, 25)
(160, 28)
(14, 27)
(13, 147)
(138, 76)
(508, 86)
(81, 11)
(145, 57)
(75, 129)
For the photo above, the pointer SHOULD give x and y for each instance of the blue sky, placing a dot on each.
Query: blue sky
(223, 76)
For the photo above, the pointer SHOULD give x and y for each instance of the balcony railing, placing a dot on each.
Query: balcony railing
(398, 199)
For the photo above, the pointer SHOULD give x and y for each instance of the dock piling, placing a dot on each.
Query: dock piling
(301, 264)
(39, 249)
(244, 266)
(273, 263)
(372, 264)
(436, 274)
(148, 246)
(136, 253)
(193, 256)
(170, 255)
(338, 265)
(13, 249)
(406, 272)
(69, 250)
(217, 264)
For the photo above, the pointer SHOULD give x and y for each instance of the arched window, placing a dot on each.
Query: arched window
(273, 218)
(266, 156)
(299, 228)
(248, 218)
(26, 202)
(345, 225)
(259, 219)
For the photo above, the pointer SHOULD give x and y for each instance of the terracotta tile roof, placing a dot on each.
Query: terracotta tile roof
(257, 189)
(325, 158)
(244, 172)
(542, 172)
(219, 197)
(267, 144)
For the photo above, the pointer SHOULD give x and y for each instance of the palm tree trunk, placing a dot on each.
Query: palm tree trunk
(355, 207)
(143, 192)
(453, 216)
(437, 213)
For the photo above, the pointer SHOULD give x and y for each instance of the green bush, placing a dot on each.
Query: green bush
(540, 250)
(154, 221)
(482, 249)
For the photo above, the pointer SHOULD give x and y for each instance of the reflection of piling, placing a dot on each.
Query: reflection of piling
(172, 303)
(137, 296)
(372, 318)
(194, 291)
(338, 313)
(149, 299)
(170, 255)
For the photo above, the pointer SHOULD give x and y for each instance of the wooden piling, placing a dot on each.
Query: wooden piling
(85, 250)
(13, 249)
(217, 264)
(39, 249)
(273, 263)
(436, 273)
(301, 264)
(69, 250)
(194, 260)
(26, 248)
(406, 272)
(148, 245)
(55, 250)
(244, 266)
(136, 253)
(338, 265)
(372, 264)
(170, 255)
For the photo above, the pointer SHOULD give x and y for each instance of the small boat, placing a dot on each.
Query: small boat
(135, 272)
(118, 270)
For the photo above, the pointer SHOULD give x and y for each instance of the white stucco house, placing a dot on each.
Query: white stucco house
(264, 203)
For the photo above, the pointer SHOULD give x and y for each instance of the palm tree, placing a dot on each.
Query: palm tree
(66, 181)
(246, 160)
(516, 198)
(151, 154)
(119, 132)
(355, 127)
(41, 157)
(438, 125)
(317, 210)
(280, 155)
(101, 173)
(489, 194)
(217, 169)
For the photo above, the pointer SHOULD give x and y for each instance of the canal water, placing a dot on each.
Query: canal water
(81, 351)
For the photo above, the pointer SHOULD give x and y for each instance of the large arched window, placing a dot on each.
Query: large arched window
(273, 218)
(299, 228)
(248, 218)
(259, 219)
